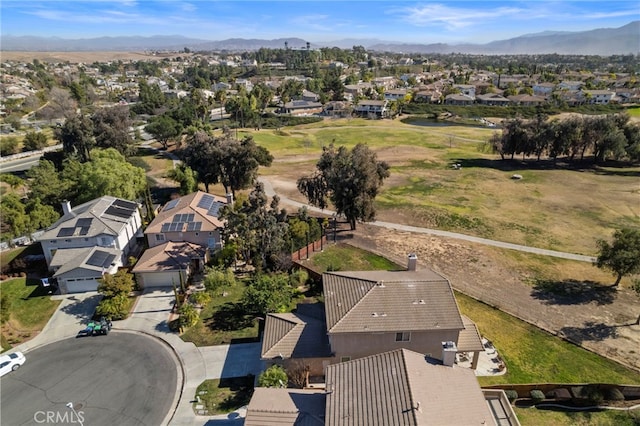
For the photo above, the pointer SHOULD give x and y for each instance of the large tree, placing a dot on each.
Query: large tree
(76, 136)
(225, 160)
(111, 129)
(350, 179)
(622, 255)
(165, 129)
(108, 173)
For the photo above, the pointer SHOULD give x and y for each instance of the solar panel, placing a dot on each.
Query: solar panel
(84, 222)
(194, 226)
(84, 230)
(206, 201)
(171, 204)
(189, 217)
(215, 208)
(177, 218)
(101, 259)
(66, 232)
(118, 211)
(125, 204)
(165, 227)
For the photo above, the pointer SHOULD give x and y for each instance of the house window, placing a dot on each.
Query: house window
(345, 358)
(211, 242)
(159, 237)
(53, 241)
(403, 337)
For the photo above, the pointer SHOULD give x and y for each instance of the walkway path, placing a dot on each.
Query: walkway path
(571, 256)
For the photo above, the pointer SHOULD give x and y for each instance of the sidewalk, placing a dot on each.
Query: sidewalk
(150, 316)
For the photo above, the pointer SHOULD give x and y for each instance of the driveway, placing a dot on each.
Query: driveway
(118, 379)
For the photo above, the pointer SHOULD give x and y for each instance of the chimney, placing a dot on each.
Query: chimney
(66, 207)
(413, 262)
(449, 353)
(229, 198)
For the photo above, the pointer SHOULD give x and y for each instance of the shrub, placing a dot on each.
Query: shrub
(593, 394)
(614, 394)
(115, 307)
(536, 395)
(188, 315)
(201, 298)
(217, 278)
(512, 395)
(560, 394)
(273, 377)
(299, 278)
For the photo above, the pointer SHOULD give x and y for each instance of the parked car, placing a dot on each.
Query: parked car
(11, 362)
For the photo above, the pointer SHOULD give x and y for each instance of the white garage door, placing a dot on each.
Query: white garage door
(160, 279)
(81, 285)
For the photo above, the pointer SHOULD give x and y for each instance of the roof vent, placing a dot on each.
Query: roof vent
(380, 283)
(421, 301)
(375, 314)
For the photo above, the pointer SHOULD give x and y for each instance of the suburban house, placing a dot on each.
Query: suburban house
(599, 97)
(301, 107)
(107, 225)
(458, 99)
(543, 89)
(492, 99)
(399, 387)
(395, 94)
(180, 239)
(526, 100)
(369, 108)
(466, 89)
(368, 312)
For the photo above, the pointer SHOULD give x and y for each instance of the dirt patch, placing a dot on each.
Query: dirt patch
(598, 321)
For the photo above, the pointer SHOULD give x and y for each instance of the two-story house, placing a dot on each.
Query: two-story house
(180, 239)
(368, 312)
(371, 108)
(110, 225)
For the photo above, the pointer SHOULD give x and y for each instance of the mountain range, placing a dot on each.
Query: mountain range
(601, 41)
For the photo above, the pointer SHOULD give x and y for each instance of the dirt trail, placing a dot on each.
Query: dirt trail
(598, 322)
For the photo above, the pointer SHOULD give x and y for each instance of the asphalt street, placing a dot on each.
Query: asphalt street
(119, 379)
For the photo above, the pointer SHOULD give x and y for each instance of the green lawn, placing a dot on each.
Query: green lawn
(534, 356)
(535, 417)
(223, 321)
(343, 257)
(29, 307)
(221, 396)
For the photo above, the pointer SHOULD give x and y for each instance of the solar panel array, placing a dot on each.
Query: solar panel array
(66, 232)
(206, 201)
(129, 205)
(101, 259)
(183, 217)
(85, 221)
(118, 211)
(171, 204)
(172, 227)
(194, 226)
(214, 210)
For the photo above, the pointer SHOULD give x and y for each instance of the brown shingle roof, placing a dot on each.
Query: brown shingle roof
(169, 256)
(285, 407)
(389, 301)
(294, 336)
(402, 387)
(185, 205)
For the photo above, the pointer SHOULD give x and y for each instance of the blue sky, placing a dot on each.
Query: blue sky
(314, 21)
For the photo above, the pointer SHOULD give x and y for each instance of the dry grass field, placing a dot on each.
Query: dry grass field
(84, 57)
(561, 208)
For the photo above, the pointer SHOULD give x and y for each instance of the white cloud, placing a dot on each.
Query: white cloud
(453, 17)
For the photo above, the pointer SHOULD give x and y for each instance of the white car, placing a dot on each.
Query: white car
(11, 362)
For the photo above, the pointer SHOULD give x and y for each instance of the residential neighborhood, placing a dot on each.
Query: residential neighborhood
(306, 235)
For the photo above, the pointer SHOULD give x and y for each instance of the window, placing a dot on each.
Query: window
(403, 337)
(345, 358)
(159, 237)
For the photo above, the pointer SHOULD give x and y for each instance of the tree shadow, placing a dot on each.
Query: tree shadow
(229, 317)
(591, 331)
(515, 164)
(83, 310)
(573, 292)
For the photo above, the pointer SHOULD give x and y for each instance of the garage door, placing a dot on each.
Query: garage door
(160, 279)
(81, 285)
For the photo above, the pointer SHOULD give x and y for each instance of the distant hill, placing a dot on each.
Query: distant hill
(602, 41)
